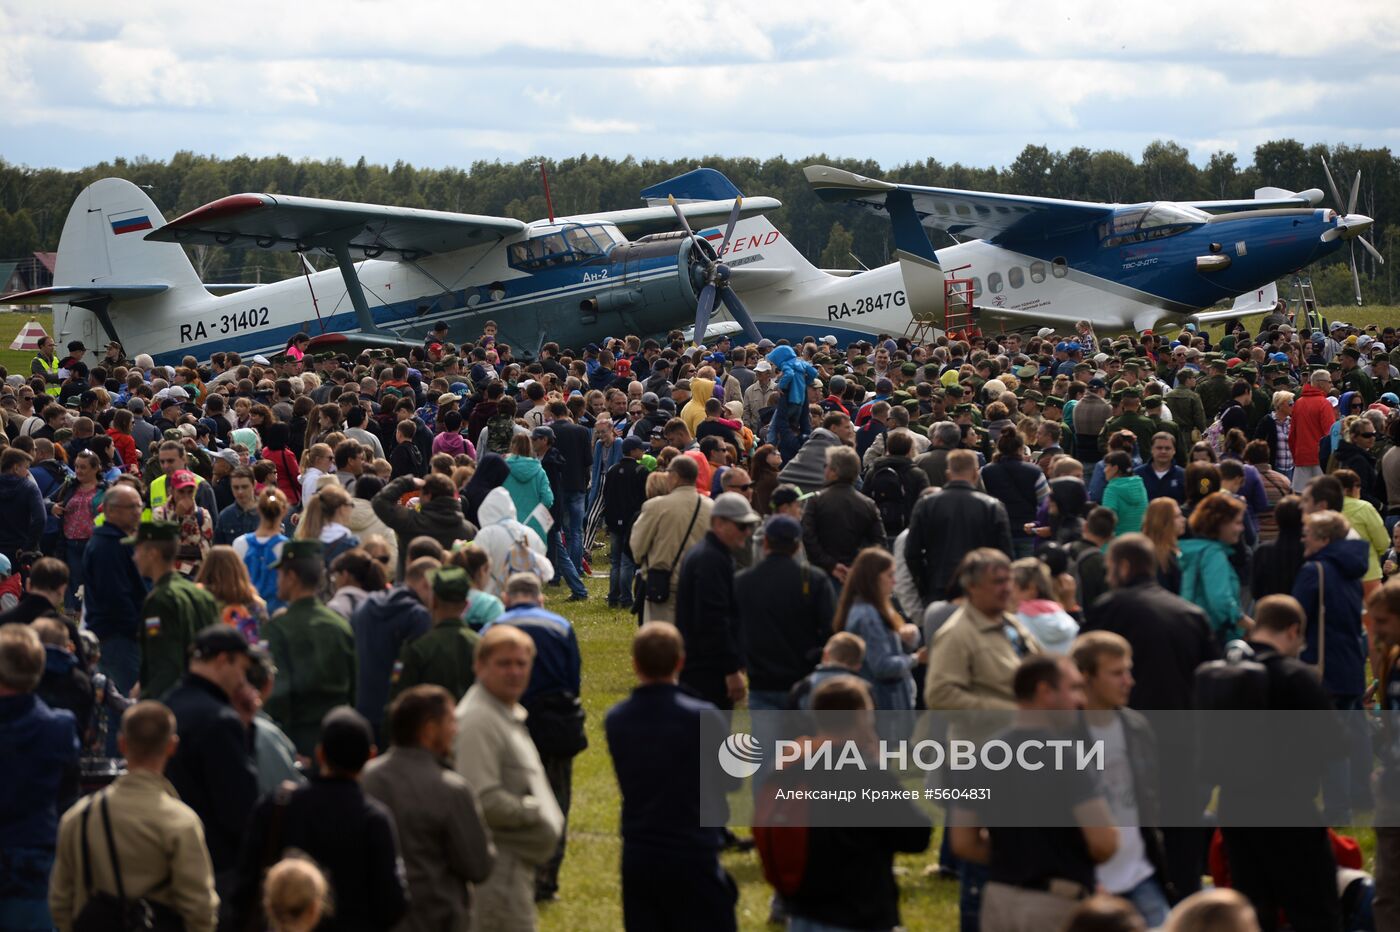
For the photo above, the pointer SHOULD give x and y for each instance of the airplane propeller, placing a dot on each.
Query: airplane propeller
(717, 283)
(1351, 226)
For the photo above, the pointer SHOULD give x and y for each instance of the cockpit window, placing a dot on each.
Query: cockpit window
(573, 243)
(1149, 221)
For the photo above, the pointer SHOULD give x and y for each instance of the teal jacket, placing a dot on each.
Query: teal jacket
(1126, 496)
(1208, 580)
(528, 487)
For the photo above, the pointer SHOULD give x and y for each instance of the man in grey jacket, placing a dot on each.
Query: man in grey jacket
(495, 754)
(442, 832)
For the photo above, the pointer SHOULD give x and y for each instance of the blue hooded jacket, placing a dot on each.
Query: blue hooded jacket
(1343, 564)
(795, 374)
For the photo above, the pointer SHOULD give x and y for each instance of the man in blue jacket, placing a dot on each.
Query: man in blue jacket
(383, 623)
(40, 748)
(22, 518)
(671, 872)
(114, 591)
(1161, 475)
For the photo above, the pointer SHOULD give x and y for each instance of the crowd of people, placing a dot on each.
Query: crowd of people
(304, 600)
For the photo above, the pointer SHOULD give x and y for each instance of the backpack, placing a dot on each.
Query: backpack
(781, 836)
(499, 430)
(887, 491)
(1215, 436)
(519, 559)
(259, 559)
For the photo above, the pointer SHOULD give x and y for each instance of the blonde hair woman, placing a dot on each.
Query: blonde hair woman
(316, 463)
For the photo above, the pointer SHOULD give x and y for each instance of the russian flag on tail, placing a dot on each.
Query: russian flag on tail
(130, 224)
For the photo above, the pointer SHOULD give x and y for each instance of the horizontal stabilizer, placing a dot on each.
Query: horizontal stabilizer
(702, 184)
(222, 288)
(82, 294)
(1259, 301)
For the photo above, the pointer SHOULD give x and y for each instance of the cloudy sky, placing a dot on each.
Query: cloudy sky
(436, 83)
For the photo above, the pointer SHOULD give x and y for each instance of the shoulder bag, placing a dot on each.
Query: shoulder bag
(659, 579)
(104, 912)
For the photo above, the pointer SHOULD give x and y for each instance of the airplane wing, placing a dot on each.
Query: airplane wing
(640, 221)
(999, 218)
(1263, 198)
(80, 294)
(370, 231)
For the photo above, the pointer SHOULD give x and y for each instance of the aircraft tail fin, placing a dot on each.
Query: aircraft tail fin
(103, 245)
(702, 184)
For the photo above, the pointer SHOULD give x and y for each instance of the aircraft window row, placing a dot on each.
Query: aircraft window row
(573, 244)
(1016, 276)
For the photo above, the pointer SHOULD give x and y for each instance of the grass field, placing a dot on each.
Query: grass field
(589, 898)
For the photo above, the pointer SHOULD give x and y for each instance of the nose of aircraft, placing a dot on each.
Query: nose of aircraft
(1349, 226)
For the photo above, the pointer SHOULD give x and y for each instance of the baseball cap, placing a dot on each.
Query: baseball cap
(543, 432)
(75, 345)
(766, 344)
(734, 507)
(763, 366)
(448, 398)
(633, 444)
(346, 739)
(1045, 331)
(1097, 383)
(658, 432)
(218, 639)
(782, 528)
(182, 479)
(829, 339)
(4, 565)
(228, 456)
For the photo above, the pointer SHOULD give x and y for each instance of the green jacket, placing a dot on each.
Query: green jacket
(1126, 496)
(175, 611)
(1187, 411)
(1355, 380)
(1142, 426)
(314, 650)
(1214, 391)
(442, 657)
(1209, 581)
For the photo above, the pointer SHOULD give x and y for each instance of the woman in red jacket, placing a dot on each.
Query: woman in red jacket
(120, 432)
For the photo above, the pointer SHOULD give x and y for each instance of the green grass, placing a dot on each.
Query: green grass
(11, 324)
(589, 891)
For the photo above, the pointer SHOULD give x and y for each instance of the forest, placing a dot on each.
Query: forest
(35, 201)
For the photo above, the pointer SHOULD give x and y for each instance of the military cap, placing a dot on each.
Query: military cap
(1033, 395)
(1133, 364)
(1131, 391)
(451, 584)
(954, 389)
(1054, 401)
(963, 408)
(860, 361)
(1351, 352)
(1046, 380)
(152, 531)
(299, 550)
(218, 639)
(1083, 367)
(1152, 401)
(911, 403)
(909, 368)
(1027, 372)
(900, 396)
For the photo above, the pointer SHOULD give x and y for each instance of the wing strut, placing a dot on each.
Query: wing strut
(341, 251)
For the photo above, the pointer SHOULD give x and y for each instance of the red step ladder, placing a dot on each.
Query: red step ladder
(959, 319)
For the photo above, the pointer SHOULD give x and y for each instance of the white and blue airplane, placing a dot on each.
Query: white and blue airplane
(1028, 261)
(122, 274)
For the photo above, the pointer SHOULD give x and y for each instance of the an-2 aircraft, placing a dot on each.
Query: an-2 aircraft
(122, 274)
(1038, 261)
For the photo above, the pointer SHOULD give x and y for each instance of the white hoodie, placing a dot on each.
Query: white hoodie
(502, 535)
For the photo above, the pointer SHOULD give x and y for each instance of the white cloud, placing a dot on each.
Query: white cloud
(438, 82)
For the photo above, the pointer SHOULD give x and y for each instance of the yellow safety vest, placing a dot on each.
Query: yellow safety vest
(51, 368)
(159, 496)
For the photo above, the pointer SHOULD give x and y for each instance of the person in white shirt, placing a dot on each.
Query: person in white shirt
(1136, 871)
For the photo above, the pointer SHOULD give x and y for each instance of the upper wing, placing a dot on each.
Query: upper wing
(640, 221)
(999, 218)
(275, 221)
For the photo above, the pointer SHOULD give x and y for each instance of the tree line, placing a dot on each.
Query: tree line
(35, 201)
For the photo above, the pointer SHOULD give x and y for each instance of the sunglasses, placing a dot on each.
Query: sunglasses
(749, 485)
(1369, 436)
